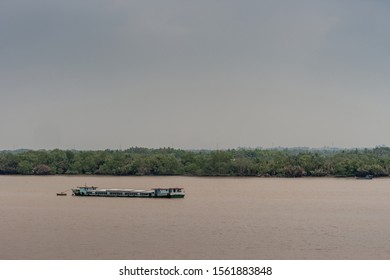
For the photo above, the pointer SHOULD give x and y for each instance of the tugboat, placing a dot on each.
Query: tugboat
(153, 193)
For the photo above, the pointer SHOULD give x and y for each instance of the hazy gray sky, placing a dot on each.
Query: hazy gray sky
(97, 74)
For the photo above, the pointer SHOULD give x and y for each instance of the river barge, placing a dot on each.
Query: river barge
(153, 193)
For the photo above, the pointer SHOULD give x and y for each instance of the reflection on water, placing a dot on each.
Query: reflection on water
(220, 218)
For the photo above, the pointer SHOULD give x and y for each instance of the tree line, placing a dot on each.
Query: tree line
(168, 161)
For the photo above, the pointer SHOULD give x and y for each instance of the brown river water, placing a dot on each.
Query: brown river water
(220, 218)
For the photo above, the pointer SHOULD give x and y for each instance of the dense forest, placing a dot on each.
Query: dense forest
(168, 161)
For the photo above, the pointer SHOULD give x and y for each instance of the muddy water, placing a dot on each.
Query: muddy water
(220, 218)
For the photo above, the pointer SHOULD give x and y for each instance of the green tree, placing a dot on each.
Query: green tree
(42, 169)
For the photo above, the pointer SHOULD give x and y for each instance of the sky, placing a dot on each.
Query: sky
(195, 74)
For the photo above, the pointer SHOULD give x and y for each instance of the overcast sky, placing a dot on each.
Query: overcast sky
(97, 74)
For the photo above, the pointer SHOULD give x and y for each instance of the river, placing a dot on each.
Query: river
(220, 218)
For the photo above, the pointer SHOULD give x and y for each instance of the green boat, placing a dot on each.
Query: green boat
(153, 193)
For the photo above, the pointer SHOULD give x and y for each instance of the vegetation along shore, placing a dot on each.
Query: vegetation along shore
(234, 162)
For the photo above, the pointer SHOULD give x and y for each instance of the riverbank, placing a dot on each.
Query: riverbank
(285, 163)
